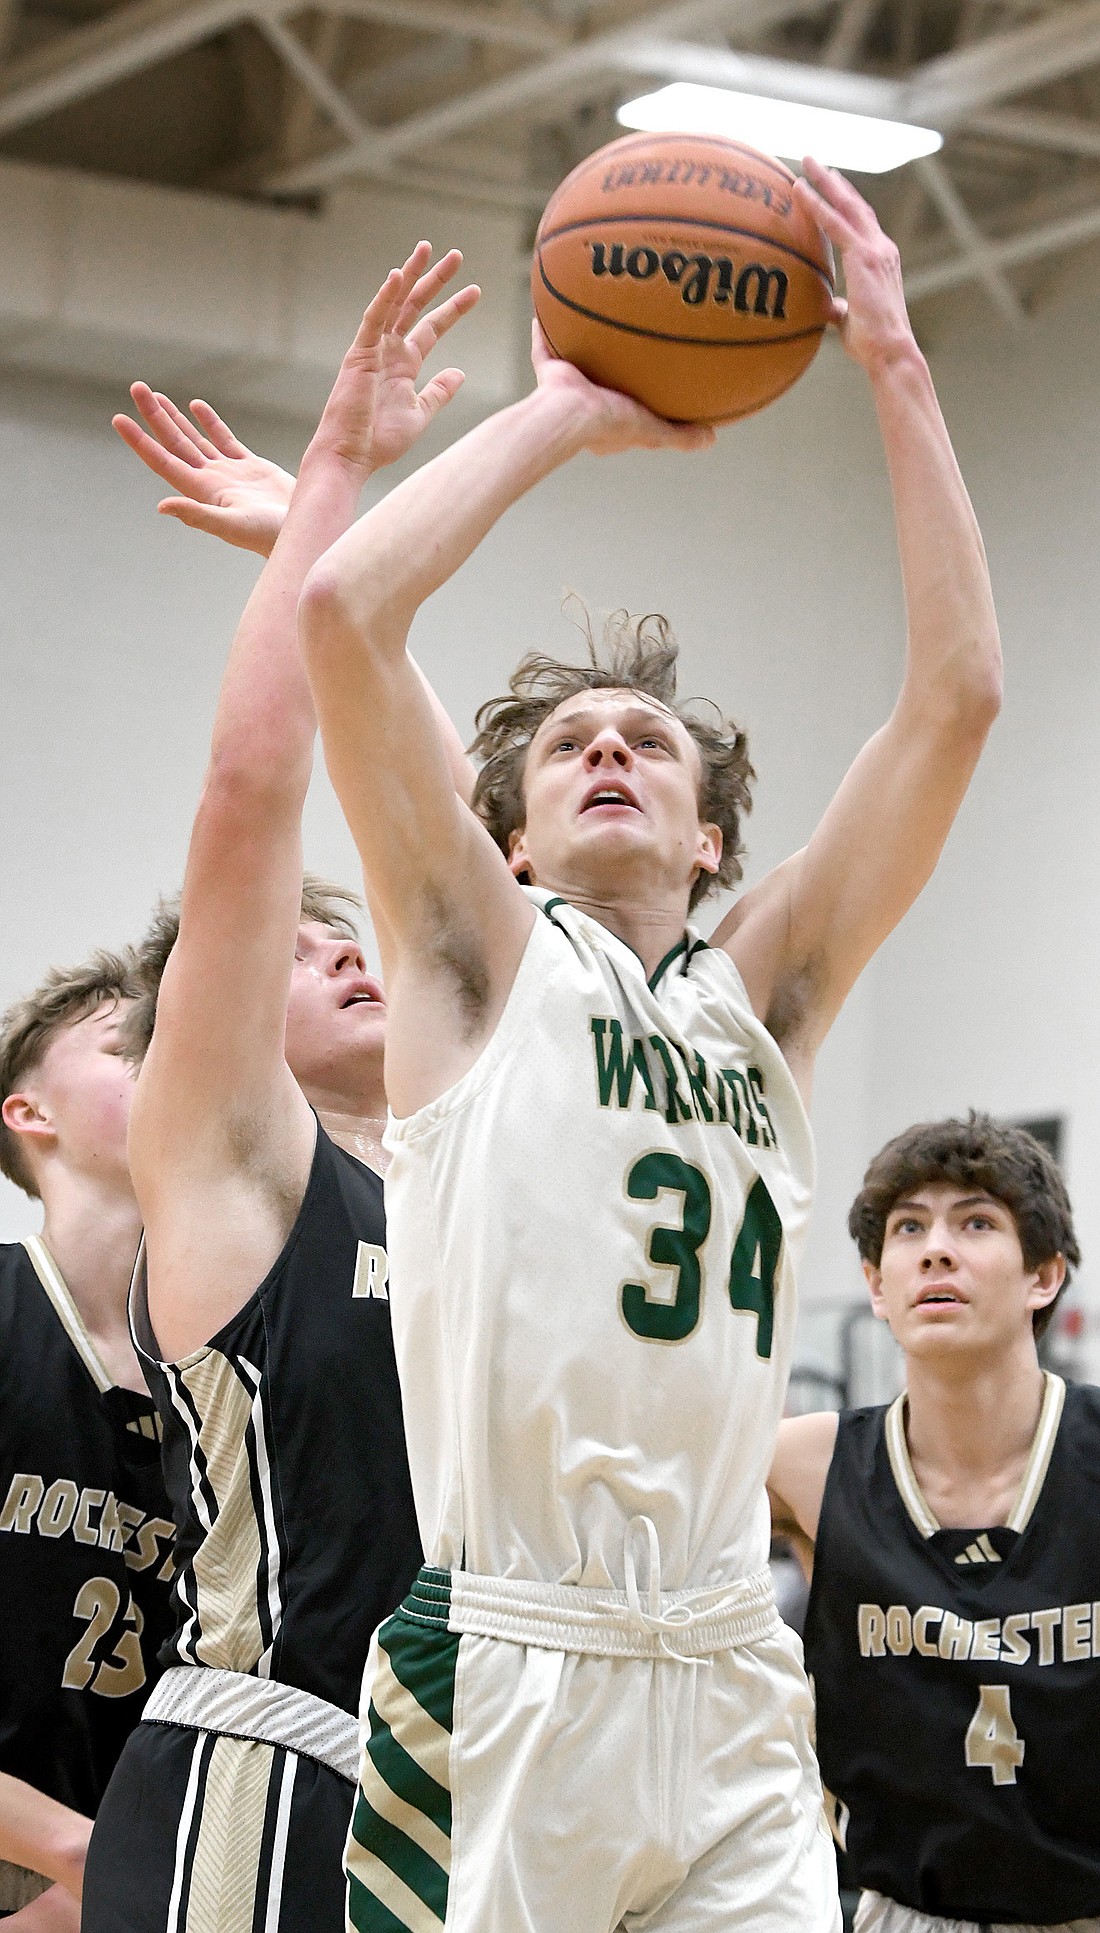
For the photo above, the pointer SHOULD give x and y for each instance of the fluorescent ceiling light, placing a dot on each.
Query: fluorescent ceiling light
(786, 128)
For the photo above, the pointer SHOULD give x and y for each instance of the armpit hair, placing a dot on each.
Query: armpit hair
(458, 950)
(793, 998)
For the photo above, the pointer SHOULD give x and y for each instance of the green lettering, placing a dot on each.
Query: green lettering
(614, 1068)
(756, 1083)
(697, 1082)
(676, 1108)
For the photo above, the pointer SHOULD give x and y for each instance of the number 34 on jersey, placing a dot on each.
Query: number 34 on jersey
(678, 1246)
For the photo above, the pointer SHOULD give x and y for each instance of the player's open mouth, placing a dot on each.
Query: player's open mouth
(612, 795)
(943, 1297)
(364, 996)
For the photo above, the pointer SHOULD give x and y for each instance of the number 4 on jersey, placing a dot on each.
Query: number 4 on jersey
(991, 1737)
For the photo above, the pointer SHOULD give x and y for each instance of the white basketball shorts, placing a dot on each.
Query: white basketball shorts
(548, 1759)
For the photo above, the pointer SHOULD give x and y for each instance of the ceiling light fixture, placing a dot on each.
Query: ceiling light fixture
(857, 141)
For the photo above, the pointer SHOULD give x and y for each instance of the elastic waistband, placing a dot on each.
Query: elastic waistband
(238, 1705)
(690, 1624)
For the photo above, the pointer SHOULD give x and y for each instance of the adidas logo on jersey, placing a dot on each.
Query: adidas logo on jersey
(980, 1551)
(150, 1426)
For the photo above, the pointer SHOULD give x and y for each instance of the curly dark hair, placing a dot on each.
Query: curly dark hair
(980, 1153)
(330, 905)
(66, 995)
(633, 654)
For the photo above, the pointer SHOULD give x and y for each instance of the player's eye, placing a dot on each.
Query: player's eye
(908, 1225)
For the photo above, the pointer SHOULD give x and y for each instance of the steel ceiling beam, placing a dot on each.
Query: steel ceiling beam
(977, 252)
(780, 80)
(313, 77)
(503, 29)
(538, 81)
(1069, 231)
(86, 59)
(1033, 127)
(943, 92)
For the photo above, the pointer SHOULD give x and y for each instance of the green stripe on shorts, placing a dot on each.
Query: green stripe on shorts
(399, 1850)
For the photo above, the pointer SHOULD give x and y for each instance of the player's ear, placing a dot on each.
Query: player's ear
(519, 859)
(1049, 1277)
(708, 849)
(25, 1116)
(873, 1278)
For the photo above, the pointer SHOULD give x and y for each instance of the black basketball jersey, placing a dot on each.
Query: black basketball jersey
(957, 1675)
(285, 1454)
(85, 1541)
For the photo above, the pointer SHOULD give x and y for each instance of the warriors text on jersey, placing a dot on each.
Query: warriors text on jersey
(958, 1675)
(285, 1454)
(85, 1541)
(592, 1240)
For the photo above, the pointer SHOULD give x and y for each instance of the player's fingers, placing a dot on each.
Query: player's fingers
(439, 391)
(198, 516)
(427, 287)
(185, 426)
(175, 470)
(838, 193)
(182, 442)
(382, 312)
(429, 330)
(541, 350)
(691, 436)
(218, 432)
(829, 219)
(838, 313)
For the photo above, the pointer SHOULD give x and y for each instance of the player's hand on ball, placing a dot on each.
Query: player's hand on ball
(375, 412)
(614, 422)
(221, 486)
(873, 323)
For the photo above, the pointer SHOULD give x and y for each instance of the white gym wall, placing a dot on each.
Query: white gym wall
(773, 555)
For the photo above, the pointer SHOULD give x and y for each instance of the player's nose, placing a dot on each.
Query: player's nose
(347, 954)
(608, 747)
(939, 1251)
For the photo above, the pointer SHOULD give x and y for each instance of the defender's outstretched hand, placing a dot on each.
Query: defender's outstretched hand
(222, 487)
(374, 414)
(618, 421)
(874, 322)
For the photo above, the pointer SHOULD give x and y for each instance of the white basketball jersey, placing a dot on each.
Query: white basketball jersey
(592, 1241)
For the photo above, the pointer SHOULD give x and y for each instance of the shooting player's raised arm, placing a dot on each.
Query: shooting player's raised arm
(804, 935)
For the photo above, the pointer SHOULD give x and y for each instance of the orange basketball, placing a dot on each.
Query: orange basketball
(681, 269)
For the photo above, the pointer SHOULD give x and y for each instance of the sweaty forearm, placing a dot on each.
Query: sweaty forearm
(418, 536)
(954, 649)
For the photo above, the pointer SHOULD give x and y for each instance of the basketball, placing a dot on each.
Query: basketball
(681, 269)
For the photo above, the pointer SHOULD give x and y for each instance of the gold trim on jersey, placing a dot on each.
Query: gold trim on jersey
(226, 1566)
(1038, 1461)
(1042, 1449)
(67, 1312)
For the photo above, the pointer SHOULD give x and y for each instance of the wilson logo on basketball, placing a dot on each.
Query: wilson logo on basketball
(753, 289)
